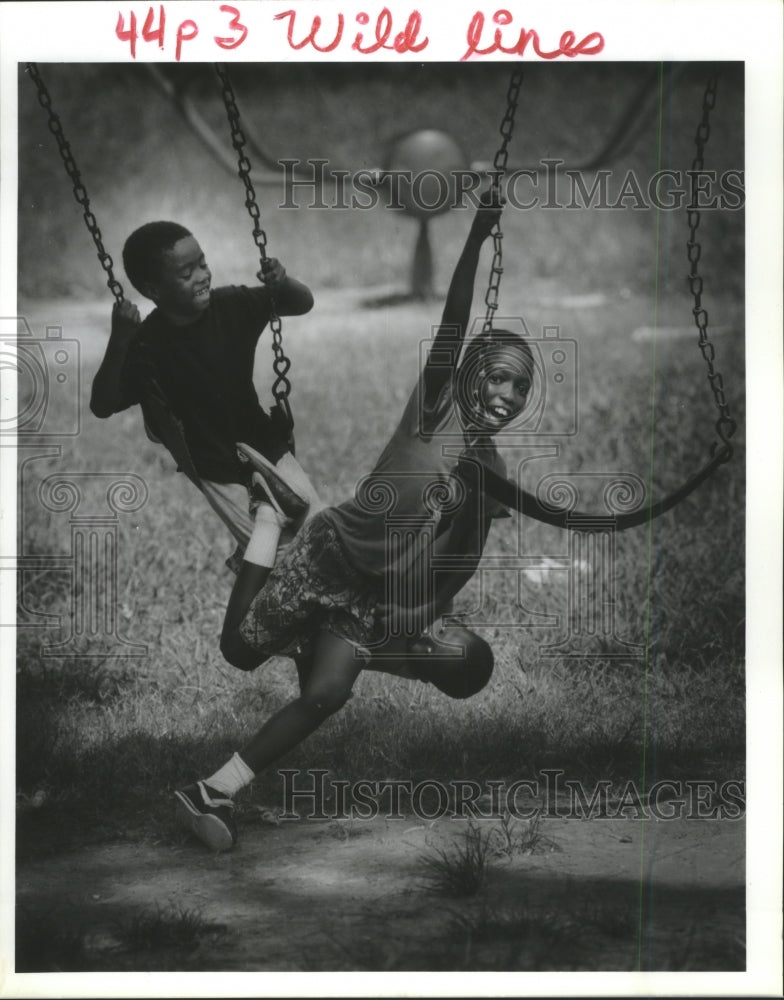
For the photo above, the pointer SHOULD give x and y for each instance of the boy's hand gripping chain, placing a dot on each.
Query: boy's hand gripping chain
(499, 168)
(79, 190)
(281, 364)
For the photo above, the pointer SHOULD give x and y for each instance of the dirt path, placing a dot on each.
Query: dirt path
(317, 896)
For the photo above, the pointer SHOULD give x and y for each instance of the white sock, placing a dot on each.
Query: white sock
(263, 543)
(229, 779)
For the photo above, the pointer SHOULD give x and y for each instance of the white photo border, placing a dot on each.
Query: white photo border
(647, 30)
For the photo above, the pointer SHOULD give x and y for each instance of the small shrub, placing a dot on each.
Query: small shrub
(167, 927)
(460, 870)
(509, 837)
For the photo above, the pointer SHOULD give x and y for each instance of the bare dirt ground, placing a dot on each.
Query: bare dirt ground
(599, 894)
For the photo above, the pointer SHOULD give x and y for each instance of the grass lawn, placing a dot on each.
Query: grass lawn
(87, 727)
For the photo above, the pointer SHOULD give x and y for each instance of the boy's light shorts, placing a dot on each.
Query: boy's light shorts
(230, 503)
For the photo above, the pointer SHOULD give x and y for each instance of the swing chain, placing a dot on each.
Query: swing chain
(499, 168)
(725, 425)
(79, 190)
(281, 364)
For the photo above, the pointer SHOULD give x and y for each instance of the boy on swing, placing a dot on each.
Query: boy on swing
(190, 367)
(333, 595)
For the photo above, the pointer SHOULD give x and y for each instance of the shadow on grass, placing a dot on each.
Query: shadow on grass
(540, 923)
(121, 789)
(522, 920)
(150, 938)
(599, 924)
(99, 751)
(118, 790)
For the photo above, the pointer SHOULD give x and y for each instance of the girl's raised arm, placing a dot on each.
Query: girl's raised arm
(457, 309)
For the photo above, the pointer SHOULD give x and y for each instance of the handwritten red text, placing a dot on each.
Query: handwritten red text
(154, 29)
(568, 45)
(371, 32)
(406, 40)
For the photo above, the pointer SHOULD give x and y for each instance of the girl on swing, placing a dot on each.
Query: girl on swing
(345, 596)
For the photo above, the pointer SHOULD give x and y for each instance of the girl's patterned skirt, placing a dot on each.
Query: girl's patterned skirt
(312, 586)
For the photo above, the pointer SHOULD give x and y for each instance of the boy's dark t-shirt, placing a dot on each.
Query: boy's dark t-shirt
(205, 371)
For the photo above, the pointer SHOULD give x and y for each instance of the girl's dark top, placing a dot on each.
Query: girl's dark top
(205, 372)
(414, 514)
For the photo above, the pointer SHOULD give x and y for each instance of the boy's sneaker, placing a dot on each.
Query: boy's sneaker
(258, 494)
(283, 496)
(208, 815)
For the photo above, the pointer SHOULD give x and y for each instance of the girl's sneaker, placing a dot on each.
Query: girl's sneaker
(208, 815)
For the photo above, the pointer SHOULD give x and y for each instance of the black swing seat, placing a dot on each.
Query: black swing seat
(510, 495)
